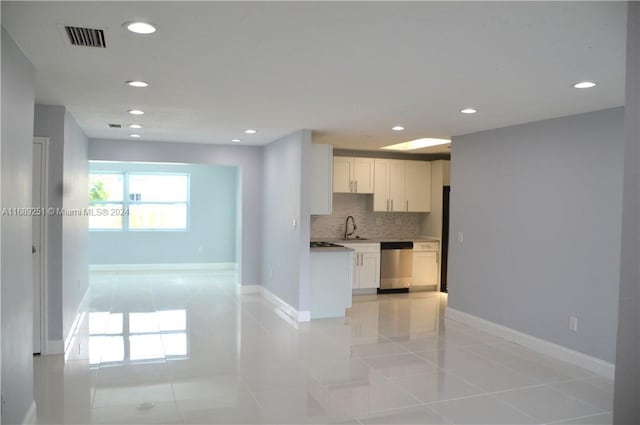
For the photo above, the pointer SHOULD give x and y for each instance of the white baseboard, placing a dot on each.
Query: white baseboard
(287, 311)
(298, 316)
(31, 416)
(248, 289)
(162, 267)
(54, 346)
(593, 364)
(83, 308)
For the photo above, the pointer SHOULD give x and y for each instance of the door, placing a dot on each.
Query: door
(381, 185)
(425, 268)
(446, 192)
(417, 186)
(369, 270)
(396, 185)
(39, 202)
(341, 174)
(363, 175)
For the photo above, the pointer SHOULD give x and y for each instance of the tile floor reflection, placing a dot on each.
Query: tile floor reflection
(184, 348)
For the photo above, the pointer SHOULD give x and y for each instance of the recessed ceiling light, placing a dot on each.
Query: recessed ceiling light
(250, 131)
(417, 144)
(235, 140)
(135, 135)
(137, 83)
(136, 112)
(397, 128)
(135, 126)
(584, 85)
(468, 111)
(140, 27)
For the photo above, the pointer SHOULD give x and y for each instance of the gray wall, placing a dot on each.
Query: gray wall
(16, 273)
(285, 252)
(247, 159)
(49, 121)
(67, 239)
(540, 208)
(75, 235)
(627, 385)
(210, 238)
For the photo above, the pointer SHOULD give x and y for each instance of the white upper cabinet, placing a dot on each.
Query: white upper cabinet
(417, 187)
(402, 186)
(396, 185)
(321, 201)
(342, 174)
(352, 175)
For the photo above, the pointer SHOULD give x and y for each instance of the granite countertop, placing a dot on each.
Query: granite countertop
(332, 249)
(378, 240)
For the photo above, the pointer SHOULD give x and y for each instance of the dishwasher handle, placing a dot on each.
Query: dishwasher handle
(396, 245)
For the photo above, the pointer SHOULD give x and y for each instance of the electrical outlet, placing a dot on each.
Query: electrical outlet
(573, 323)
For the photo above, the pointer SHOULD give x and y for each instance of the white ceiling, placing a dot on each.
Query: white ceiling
(349, 71)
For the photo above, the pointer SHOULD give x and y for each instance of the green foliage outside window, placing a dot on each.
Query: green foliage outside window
(97, 192)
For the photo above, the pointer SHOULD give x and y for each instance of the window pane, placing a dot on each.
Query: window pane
(143, 322)
(158, 188)
(145, 347)
(105, 187)
(158, 216)
(112, 349)
(172, 320)
(175, 344)
(105, 216)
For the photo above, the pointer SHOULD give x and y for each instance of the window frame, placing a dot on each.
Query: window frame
(127, 202)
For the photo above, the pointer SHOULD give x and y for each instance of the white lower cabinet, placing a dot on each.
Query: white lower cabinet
(366, 265)
(425, 268)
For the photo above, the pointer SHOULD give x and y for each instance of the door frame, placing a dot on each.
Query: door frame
(44, 192)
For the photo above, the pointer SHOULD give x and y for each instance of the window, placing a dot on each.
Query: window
(106, 195)
(138, 201)
(118, 338)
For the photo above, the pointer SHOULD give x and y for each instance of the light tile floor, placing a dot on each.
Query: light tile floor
(183, 347)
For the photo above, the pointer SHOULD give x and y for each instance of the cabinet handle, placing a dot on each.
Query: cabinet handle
(356, 187)
(387, 205)
(350, 185)
(407, 205)
(392, 205)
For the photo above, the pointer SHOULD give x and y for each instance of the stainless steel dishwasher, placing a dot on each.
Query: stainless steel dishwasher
(396, 266)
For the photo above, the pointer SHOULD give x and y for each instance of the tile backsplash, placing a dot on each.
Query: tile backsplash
(370, 224)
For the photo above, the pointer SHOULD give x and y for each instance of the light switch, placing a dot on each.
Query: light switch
(460, 237)
(294, 223)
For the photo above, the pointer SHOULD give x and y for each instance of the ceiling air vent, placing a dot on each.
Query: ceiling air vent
(115, 125)
(86, 37)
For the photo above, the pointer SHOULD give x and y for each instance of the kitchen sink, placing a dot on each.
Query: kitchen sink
(357, 238)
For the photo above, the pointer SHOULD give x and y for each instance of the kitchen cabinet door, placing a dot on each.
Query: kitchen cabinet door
(369, 270)
(396, 185)
(342, 182)
(417, 187)
(381, 185)
(425, 268)
(362, 175)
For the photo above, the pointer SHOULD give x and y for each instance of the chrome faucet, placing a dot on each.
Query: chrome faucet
(346, 227)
